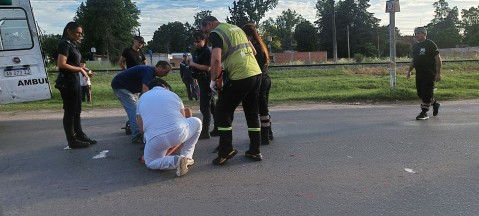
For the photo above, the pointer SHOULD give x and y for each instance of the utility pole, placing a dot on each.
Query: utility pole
(392, 6)
(349, 50)
(335, 45)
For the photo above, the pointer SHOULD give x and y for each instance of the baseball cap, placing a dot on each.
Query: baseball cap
(139, 39)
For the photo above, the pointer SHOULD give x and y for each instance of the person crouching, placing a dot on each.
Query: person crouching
(165, 123)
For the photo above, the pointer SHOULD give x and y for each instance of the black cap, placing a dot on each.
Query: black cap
(139, 39)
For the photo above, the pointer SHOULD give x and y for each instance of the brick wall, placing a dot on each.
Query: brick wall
(294, 57)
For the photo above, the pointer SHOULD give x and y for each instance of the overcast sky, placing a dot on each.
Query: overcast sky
(53, 15)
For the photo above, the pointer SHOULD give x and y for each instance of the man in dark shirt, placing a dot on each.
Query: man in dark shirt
(427, 62)
(126, 86)
(133, 56)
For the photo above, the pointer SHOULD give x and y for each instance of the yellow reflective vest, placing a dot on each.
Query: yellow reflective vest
(237, 54)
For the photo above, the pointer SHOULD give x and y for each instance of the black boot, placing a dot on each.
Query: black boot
(265, 135)
(77, 144)
(254, 141)
(84, 138)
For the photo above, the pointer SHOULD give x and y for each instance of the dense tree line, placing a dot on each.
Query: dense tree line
(109, 28)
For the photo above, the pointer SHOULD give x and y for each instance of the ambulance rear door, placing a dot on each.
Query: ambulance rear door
(23, 76)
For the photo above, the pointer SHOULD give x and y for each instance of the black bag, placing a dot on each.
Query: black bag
(60, 83)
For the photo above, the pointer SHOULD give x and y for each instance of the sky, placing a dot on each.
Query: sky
(53, 15)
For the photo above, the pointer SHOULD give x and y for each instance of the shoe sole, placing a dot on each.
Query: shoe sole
(425, 118)
(183, 167)
(229, 156)
(254, 157)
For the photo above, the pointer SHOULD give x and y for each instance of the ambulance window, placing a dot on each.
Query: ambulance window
(14, 31)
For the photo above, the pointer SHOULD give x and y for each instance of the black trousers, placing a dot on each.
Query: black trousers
(207, 101)
(263, 96)
(85, 93)
(425, 90)
(71, 96)
(190, 87)
(243, 91)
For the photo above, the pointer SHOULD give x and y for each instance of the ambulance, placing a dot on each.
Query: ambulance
(23, 76)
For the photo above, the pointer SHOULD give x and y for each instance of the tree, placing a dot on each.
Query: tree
(50, 46)
(470, 24)
(286, 24)
(199, 17)
(306, 36)
(268, 29)
(171, 37)
(363, 26)
(443, 29)
(256, 9)
(249, 11)
(238, 14)
(108, 26)
(324, 13)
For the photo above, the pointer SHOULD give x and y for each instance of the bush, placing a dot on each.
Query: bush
(358, 57)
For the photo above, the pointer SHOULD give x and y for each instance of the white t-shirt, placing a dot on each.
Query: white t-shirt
(160, 111)
(84, 81)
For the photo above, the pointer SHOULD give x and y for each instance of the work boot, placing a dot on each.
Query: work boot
(84, 138)
(205, 134)
(77, 144)
(422, 116)
(265, 135)
(435, 108)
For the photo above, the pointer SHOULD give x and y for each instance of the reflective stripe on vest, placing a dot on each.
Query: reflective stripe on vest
(230, 47)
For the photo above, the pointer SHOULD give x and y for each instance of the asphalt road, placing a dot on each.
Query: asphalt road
(325, 160)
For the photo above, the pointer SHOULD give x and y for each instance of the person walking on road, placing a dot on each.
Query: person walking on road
(241, 81)
(129, 83)
(166, 122)
(262, 56)
(427, 62)
(68, 82)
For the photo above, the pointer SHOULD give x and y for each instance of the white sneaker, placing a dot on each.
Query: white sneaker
(190, 162)
(182, 166)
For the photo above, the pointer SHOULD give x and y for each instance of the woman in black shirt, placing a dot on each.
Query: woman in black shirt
(200, 67)
(68, 82)
(262, 57)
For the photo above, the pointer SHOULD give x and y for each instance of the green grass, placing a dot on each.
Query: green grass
(338, 85)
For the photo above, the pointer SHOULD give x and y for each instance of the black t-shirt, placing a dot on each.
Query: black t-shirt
(133, 58)
(423, 54)
(70, 50)
(216, 41)
(202, 56)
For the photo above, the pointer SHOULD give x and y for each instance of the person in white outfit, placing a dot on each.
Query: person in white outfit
(161, 116)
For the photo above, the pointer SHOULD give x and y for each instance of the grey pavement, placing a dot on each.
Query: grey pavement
(325, 160)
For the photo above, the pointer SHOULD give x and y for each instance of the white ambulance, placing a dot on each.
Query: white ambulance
(23, 76)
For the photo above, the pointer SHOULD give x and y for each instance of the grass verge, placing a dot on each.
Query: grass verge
(337, 85)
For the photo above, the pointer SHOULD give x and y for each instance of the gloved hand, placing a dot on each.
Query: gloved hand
(213, 86)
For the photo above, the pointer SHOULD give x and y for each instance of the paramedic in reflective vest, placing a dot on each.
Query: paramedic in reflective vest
(232, 50)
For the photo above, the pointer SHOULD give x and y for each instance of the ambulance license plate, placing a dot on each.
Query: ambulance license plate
(17, 72)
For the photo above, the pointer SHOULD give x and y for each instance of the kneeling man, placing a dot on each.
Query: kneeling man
(165, 123)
